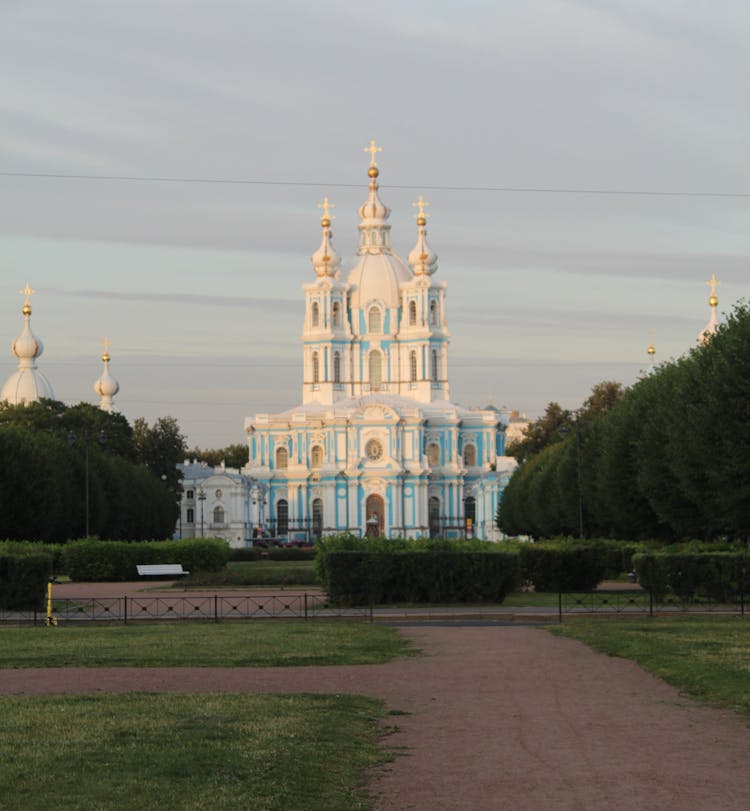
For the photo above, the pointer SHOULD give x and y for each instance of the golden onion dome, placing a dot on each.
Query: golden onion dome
(713, 300)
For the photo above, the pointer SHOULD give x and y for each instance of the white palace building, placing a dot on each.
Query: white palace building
(376, 447)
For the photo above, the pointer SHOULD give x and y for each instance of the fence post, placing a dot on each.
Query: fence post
(216, 607)
(305, 605)
(125, 609)
(559, 605)
(650, 600)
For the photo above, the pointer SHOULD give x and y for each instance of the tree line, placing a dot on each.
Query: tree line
(668, 460)
(67, 472)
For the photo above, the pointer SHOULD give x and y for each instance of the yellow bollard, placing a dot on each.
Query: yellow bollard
(50, 619)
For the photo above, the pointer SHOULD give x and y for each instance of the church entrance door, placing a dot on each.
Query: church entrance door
(375, 512)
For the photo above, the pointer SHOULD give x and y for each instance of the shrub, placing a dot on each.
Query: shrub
(23, 580)
(718, 576)
(563, 567)
(90, 560)
(419, 575)
(245, 553)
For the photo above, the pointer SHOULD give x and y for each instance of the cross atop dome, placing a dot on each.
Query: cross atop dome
(325, 220)
(713, 282)
(372, 149)
(28, 292)
(422, 215)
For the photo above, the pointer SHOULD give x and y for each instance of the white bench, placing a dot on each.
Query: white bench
(160, 569)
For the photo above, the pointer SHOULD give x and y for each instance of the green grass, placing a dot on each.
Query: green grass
(195, 644)
(255, 573)
(146, 751)
(705, 657)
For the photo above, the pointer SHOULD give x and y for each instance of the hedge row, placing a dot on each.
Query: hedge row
(117, 560)
(718, 576)
(273, 553)
(23, 580)
(370, 578)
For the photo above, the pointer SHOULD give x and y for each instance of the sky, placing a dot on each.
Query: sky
(161, 164)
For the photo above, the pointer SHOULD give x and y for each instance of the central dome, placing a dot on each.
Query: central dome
(376, 277)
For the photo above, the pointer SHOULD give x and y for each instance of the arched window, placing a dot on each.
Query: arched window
(218, 515)
(336, 314)
(434, 516)
(470, 455)
(433, 313)
(376, 370)
(470, 510)
(434, 366)
(315, 367)
(336, 367)
(316, 456)
(282, 517)
(315, 314)
(282, 458)
(374, 323)
(433, 454)
(412, 313)
(317, 518)
(413, 366)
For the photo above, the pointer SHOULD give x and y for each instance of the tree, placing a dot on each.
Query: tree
(550, 428)
(160, 448)
(233, 455)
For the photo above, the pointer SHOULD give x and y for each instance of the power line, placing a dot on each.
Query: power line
(301, 183)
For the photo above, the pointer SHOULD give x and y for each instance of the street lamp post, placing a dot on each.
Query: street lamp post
(72, 437)
(201, 498)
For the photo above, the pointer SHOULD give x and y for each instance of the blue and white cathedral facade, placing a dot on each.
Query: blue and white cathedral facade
(376, 447)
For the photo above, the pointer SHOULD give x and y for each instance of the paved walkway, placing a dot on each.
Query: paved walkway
(499, 718)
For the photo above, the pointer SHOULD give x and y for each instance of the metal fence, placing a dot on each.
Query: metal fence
(213, 607)
(218, 607)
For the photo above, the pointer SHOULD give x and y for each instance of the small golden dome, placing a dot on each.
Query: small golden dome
(325, 222)
(105, 357)
(26, 309)
(421, 220)
(651, 350)
(373, 171)
(713, 300)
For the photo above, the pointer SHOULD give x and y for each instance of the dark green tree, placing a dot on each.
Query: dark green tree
(235, 456)
(160, 448)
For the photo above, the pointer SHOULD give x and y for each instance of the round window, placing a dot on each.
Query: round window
(373, 449)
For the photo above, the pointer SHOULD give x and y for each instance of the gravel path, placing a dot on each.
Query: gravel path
(498, 718)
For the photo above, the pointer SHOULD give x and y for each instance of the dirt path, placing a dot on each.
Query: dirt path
(499, 718)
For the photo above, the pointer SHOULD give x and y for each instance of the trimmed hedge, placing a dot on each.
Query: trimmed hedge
(54, 550)
(560, 567)
(117, 560)
(23, 580)
(718, 576)
(415, 576)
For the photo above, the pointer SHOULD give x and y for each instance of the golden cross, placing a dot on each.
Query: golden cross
(106, 344)
(712, 282)
(420, 204)
(372, 149)
(326, 206)
(27, 291)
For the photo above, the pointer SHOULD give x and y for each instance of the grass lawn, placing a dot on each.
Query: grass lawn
(197, 644)
(706, 657)
(255, 573)
(167, 751)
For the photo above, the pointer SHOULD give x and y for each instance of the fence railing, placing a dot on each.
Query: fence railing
(305, 606)
(214, 607)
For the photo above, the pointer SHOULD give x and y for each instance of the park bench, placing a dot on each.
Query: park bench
(160, 569)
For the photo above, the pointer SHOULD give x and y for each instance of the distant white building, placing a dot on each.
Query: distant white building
(215, 503)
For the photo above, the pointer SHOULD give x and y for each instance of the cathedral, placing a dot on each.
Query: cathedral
(376, 446)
